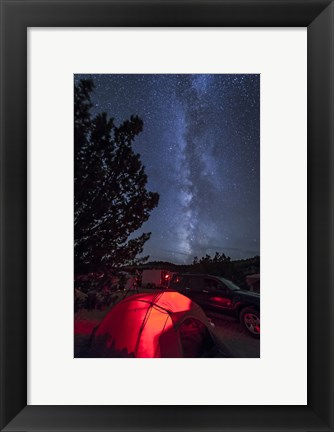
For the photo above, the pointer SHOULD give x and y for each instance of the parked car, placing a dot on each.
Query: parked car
(221, 295)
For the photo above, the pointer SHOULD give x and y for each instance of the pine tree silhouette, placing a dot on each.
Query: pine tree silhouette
(110, 196)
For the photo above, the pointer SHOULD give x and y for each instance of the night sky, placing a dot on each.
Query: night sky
(201, 150)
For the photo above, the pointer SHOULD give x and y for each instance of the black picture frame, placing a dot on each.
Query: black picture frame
(16, 17)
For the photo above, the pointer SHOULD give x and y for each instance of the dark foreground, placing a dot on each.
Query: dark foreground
(228, 330)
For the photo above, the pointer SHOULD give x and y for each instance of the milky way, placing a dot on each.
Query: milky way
(201, 150)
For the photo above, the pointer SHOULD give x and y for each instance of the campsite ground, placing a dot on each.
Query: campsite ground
(231, 333)
(228, 330)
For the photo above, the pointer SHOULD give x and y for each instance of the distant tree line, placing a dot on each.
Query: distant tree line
(218, 265)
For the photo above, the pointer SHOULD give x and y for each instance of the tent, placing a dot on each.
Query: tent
(165, 324)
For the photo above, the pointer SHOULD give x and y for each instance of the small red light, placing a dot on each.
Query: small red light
(166, 276)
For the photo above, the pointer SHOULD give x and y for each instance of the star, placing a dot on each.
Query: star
(200, 147)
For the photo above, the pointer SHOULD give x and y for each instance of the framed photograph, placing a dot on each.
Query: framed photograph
(197, 97)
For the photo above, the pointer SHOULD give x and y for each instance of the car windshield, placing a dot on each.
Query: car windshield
(230, 284)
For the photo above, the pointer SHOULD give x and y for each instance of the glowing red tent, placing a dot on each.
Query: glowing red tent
(166, 324)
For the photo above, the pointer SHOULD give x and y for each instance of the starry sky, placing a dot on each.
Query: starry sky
(201, 150)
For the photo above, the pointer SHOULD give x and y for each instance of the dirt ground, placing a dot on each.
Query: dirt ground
(237, 340)
(227, 329)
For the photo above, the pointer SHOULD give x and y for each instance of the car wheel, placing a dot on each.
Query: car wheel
(250, 319)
